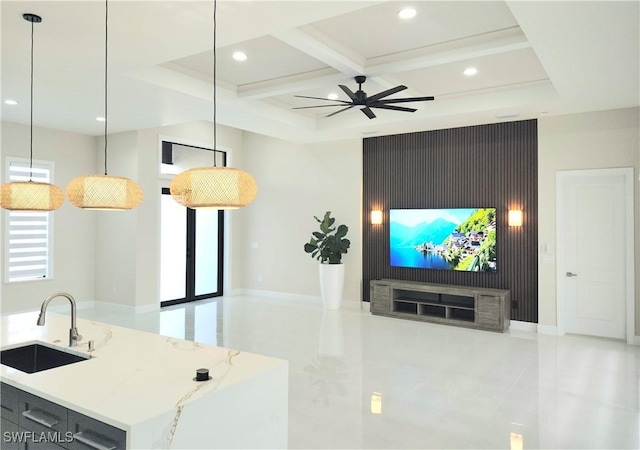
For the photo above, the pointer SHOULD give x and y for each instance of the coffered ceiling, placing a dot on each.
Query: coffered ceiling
(532, 58)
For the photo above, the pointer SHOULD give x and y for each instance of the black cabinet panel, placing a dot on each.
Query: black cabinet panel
(42, 416)
(88, 431)
(10, 403)
(33, 423)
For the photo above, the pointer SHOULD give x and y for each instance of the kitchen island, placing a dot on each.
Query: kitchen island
(143, 384)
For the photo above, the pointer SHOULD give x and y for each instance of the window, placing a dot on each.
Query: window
(28, 234)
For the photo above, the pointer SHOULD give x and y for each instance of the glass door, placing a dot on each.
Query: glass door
(191, 252)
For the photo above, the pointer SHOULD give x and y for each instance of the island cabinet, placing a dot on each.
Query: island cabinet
(31, 422)
(465, 306)
(139, 390)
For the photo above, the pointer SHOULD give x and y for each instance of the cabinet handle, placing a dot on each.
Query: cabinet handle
(6, 407)
(91, 443)
(50, 423)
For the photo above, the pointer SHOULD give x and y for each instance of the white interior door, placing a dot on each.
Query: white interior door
(594, 252)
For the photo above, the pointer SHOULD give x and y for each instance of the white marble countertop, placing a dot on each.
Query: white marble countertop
(132, 377)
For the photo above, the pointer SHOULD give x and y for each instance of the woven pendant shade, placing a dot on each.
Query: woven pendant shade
(214, 187)
(104, 192)
(31, 196)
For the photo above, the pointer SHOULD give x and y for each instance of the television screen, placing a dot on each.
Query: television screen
(446, 239)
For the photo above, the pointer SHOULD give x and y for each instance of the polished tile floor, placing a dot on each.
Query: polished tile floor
(362, 381)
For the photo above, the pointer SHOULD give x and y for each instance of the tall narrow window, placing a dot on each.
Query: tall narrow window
(191, 257)
(28, 234)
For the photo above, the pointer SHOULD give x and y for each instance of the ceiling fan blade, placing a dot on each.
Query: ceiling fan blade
(405, 100)
(339, 111)
(316, 106)
(392, 107)
(320, 98)
(348, 91)
(367, 112)
(386, 93)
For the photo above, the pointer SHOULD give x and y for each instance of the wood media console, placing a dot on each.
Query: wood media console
(464, 306)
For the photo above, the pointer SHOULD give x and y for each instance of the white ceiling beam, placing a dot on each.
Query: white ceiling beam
(380, 68)
(290, 84)
(323, 48)
(503, 41)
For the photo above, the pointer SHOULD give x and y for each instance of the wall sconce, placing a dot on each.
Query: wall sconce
(376, 403)
(516, 441)
(515, 217)
(376, 217)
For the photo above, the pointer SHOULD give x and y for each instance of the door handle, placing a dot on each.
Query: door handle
(570, 274)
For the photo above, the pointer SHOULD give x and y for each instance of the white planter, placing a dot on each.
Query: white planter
(331, 285)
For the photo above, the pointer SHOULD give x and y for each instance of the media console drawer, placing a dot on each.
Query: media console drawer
(466, 306)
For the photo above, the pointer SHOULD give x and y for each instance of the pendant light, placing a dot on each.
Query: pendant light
(31, 195)
(214, 187)
(104, 192)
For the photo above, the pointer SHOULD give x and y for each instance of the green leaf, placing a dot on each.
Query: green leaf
(342, 231)
(328, 245)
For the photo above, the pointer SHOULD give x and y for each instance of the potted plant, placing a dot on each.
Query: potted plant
(327, 246)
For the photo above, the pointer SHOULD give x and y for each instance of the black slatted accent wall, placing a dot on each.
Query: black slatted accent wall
(483, 166)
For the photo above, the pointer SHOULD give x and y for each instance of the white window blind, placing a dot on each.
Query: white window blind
(28, 232)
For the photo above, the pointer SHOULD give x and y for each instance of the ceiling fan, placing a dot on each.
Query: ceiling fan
(360, 100)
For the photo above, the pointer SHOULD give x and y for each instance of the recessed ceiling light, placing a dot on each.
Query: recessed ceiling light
(332, 96)
(239, 56)
(100, 119)
(407, 13)
(11, 102)
(470, 71)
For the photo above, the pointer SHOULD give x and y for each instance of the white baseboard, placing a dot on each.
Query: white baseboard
(548, 329)
(517, 325)
(300, 298)
(146, 309)
(127, 309)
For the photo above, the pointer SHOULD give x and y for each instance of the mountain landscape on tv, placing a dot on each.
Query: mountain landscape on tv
(447, 239)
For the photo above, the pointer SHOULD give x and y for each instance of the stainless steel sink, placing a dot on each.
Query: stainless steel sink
(36, 357)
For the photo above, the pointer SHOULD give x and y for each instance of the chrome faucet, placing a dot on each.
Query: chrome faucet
(74, 337)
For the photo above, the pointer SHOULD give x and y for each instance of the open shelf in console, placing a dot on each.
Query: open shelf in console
(458, 301)
(462, 314)
(415, 296)
(405, 307)
(433, 311)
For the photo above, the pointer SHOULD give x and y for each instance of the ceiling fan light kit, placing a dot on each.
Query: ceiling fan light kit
(360, 100)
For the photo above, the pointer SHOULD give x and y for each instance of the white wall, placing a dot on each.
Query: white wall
(128, 241)
(74, 229)
(113, 256)
(115, 230)
(581, 141)
(295, 183)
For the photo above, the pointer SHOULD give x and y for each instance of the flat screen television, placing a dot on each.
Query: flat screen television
(444, 239)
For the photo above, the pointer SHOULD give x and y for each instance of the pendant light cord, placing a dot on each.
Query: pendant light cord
(31, 113)
(106, 46)
(215, 66)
